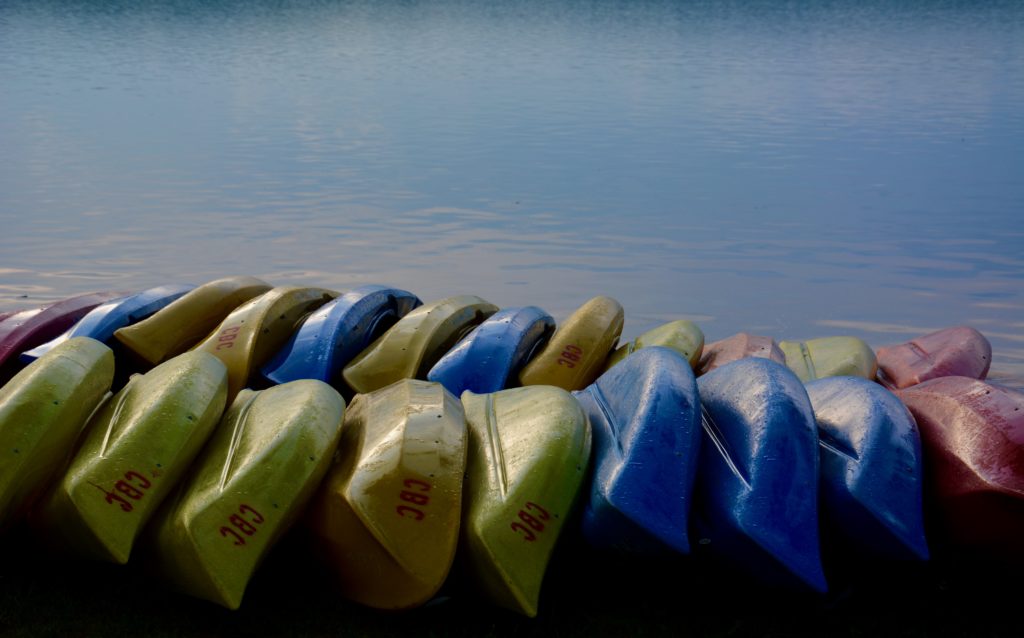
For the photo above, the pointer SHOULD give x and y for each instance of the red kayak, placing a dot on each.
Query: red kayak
(960, 351)
(973, 438)
(738, 346)
(27, 329)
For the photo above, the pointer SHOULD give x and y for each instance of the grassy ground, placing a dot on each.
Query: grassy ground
(584, 596)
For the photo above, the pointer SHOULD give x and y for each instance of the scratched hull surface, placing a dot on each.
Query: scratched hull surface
(739, 346)
(136, 449)
(681, 336)
(645, 417)
(973, 438)
(757, 482)
(258, 328)
(576, 353)
(830, 357)
(413, 345)
(493, 353)
(42, 410)
(960, 351)
(528, 455)
(29, 328)
(387, 517)
(189, 319)
(871, 468)
(101, 322)
(337, 332)
(253, 479)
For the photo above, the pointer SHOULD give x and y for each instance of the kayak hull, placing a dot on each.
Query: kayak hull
(681, 336)
(645, 417)
(830, 357)
(960, 351)
(739, 346)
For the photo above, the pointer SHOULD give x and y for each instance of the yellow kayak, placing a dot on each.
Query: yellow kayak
(42, 410)
(830, 357)
(181, 325)
(253, 479)
(413, 345)
(256, 330)
(682, 336)
(137, 447)
(576, 353)
(528, 454)
(387, 516)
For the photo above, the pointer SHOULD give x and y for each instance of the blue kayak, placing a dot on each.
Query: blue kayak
(871, 467)
(338, 331)
(757, 483)
(645, 417)
(494, 351)
(101, 322)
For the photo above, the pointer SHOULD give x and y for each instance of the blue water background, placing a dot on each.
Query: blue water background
(797, 169)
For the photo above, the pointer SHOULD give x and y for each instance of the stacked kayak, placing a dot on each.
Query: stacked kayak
(477, 439)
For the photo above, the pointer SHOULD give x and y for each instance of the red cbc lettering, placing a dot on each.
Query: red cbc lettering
(532, 523)
(133, 485)
(246, 521)
(570, 356)
(227, 337)
(414, 493)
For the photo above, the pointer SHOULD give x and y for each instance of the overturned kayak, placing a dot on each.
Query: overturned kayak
(387, 516)
(257, 329)
(739, 346)
(42, 410)
(103, 320)
(960, 351)
(757, 483)
(413, 345)
(187, 320)
(973, 438)
(29, 328)
(830, 357)
(682, 336)
(253, 479)
(871, 468)
(645, 417)
(137, 447)
(528, 454)
(337, 332)
(493, 353)
(576, 353)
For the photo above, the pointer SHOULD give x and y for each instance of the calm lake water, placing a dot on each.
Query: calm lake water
(794, 169)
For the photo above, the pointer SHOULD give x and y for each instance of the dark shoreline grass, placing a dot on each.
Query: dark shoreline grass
(584, 595)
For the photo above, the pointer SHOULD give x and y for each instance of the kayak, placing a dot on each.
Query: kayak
(757, 481)
(29, 328)
(413, 345)
(103, 320)
(576, 353)
(189, 319)
(973, 438)
(337, 332)
(387, 516)
(258, 328)
(528, 455)
(830, 357)
(645, 417)
(682, 336)
(871, 468)
(42, 410)
(137, 447)
(739, 346)
(253, 479)
(960, 351)
(490, 356)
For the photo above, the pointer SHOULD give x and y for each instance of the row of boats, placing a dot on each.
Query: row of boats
(195, 425)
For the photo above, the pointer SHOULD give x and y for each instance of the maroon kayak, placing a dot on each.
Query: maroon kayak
(738, 346)
(973, 441)
(27, 329)
(959, 351)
